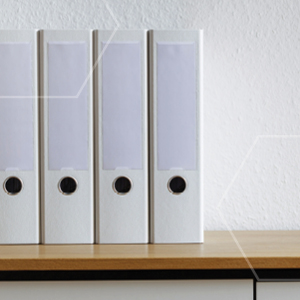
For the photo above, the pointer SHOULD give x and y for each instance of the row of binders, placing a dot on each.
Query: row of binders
(100, 136)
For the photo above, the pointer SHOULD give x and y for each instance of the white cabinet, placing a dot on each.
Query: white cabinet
(278, 290)
(129, 290)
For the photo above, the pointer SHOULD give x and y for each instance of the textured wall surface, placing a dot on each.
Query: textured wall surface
(252, 93)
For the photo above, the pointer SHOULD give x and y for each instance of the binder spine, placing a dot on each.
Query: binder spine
(41, 131)
(19, 185)
(176, 203)
(96, 60)
(151, 137)
(122, 217)
(67, 149)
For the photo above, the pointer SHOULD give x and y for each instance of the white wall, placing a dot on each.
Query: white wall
(252, 89)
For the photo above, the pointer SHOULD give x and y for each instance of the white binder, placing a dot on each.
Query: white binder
(121, 137)
(176, 139)
(67, 136)
(19, 185)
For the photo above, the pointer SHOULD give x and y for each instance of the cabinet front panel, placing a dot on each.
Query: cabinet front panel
(129, 290)
(278, 290)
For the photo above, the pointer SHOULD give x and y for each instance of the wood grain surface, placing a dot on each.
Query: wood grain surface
(221, 250)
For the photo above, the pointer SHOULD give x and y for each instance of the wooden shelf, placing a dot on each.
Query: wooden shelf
(263, 249)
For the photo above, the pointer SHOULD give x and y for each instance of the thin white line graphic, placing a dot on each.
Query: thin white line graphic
(228, 189)
(89, 76)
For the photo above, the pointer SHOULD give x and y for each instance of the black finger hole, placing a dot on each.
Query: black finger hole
(177, 185)
(68, 185)
(13, 186)
(122, 185)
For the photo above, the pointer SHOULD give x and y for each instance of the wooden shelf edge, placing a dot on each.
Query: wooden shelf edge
(68, 264)
(263, 250)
